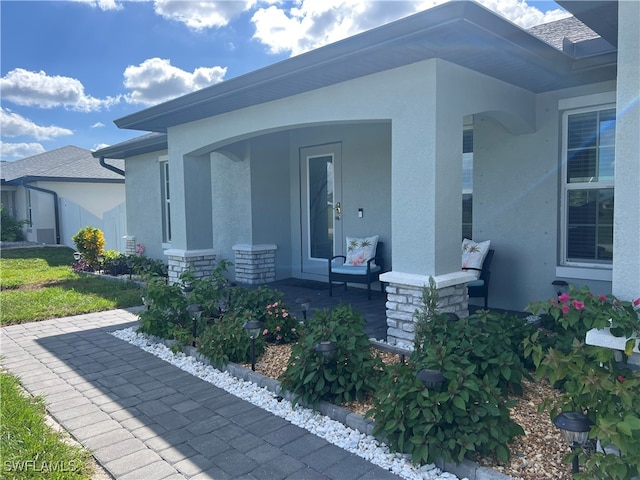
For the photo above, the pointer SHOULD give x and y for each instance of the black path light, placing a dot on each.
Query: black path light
(195, 312)
(327, 349)
(560, 287)
(77, 256)
(574, 427)
(304, 303)
(252, 328)
(433, 380)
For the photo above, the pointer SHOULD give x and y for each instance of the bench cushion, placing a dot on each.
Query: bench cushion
(351, 270)
(475, 283)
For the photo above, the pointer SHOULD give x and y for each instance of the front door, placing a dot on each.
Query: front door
(321, 206)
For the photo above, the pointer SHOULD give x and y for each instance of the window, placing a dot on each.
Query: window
(29, 209)
(588, 187)
(166, 201)
(467, 183)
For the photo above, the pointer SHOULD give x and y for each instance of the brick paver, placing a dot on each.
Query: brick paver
(146, 419)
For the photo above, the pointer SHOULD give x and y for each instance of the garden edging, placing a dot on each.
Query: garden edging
(467, 469)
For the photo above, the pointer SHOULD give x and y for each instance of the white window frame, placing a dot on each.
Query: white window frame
(165, 199)
(565, 264)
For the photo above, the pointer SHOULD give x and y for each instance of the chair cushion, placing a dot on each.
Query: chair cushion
(359, 250)
(351, 270)
(475, 283)
(473, 255)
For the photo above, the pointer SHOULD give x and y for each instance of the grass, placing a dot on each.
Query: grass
(29, 447)
(39, 284)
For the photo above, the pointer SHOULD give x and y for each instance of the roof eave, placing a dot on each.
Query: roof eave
(374, 51)
(132, 148)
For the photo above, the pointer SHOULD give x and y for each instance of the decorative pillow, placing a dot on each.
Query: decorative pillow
(359, 250)
(473, 255)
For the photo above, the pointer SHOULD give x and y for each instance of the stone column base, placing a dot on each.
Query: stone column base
(255, 264)
(201, 262)
(404, 297)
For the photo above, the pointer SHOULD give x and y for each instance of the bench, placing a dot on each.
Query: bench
(480, 288)
(365, 274)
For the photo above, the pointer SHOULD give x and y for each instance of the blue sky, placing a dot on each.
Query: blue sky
(69, 68)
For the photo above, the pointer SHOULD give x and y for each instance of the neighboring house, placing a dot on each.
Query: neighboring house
(252, 169)
(61, 191)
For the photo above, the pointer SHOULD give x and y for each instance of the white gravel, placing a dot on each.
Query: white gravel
(334, 432)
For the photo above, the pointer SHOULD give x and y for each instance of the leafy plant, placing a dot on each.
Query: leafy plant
(11, 227)
(573, 314)
(349, 375)
(166, 308)
(607, 392)
(226, 340)
(90, 242)
(279, 325)
(594, 382)
(480, 361)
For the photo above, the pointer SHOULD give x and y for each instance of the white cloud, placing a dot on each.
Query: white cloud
(97, 125)
(15, 151)
(201, 15)
(309, 24)
(103, 4)
(37, 89)
(155, 80)
(100, 146)
(14, 125)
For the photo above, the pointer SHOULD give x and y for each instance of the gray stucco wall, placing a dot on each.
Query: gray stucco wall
(144, 214)
(516, 203)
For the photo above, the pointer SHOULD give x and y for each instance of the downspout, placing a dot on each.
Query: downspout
(56, 213)
(111, 167)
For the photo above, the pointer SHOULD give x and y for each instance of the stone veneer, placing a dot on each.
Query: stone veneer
(201, 262)
(130, 245)
(404, 297)
(255, 264)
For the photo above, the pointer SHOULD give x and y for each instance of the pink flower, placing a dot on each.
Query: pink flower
(265, 332)
(622, 379)
(277, 329)
(139, 249)
(279, 337)
(636, 302)
(565, 309)
(285, 314)
(578, 305)
(293, 330)
(603, 298)
(564, 297)
(275, 305)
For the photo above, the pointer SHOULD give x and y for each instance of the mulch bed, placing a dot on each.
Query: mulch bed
(536, 455)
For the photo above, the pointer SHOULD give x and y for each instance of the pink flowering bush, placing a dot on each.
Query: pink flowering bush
(580, 310)
(279, 325)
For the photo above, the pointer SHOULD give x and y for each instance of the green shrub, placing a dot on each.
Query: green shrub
(593, 381)
(279, 325)
(353, 371)
(89, 241)
(480, 363)
(166, 309)
(10, 227)
(226, 340)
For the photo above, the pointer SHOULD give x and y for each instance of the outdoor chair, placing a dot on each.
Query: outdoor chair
(364, 274)
(480, 288)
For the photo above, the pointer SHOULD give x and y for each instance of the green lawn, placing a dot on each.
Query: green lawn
(29, 448)
(39, 284)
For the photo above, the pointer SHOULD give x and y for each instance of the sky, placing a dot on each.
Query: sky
(68, 69)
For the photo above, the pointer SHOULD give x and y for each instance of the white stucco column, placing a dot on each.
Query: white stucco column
(626, 250)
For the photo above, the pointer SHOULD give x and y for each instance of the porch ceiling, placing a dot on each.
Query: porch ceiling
(463, 33)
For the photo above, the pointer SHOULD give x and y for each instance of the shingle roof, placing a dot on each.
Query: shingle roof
(555, 32)
(71, 163)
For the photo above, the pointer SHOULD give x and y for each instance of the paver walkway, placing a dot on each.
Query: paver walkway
(146, 419)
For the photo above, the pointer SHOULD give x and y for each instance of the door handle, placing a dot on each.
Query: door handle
(338, 211)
